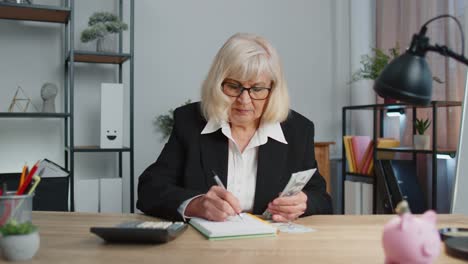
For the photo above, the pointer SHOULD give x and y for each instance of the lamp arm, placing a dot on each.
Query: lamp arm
(422, 31)
(445, 51)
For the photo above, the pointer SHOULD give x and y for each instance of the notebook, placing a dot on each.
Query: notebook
(234, 228)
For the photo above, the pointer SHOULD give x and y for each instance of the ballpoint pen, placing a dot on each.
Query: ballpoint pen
(220, 184)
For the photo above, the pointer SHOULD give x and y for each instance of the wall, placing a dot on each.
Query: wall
(175, 42)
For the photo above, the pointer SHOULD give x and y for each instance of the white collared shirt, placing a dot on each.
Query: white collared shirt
(242, 166)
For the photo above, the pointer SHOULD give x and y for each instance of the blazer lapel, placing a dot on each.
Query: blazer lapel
(214, 156)
(272, 158)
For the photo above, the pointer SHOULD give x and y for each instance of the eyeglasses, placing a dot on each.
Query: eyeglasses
(235, 90)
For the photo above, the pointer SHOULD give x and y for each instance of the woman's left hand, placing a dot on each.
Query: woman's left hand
(288, 208)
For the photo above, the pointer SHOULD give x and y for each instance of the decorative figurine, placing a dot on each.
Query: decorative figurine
(21, 102)
(48, 94)
(410, 239)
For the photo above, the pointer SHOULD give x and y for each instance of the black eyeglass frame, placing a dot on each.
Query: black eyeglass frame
(244, 89)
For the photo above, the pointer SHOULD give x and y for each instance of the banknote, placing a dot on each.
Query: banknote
(292, 228)
(296, 183)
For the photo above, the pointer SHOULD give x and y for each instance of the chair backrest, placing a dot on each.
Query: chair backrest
(404, 173)
(397, 181)
(50, 195)
(384, 197)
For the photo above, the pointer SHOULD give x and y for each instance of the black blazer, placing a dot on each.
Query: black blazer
(183, 169)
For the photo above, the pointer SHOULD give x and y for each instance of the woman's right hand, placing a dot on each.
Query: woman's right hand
(216, 205)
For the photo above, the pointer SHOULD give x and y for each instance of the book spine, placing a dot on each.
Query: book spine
(359, 146)
(348, 153)
(368, 156)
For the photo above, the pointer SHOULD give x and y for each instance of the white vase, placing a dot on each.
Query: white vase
(106, 43)
(422, 142)
(20, 247)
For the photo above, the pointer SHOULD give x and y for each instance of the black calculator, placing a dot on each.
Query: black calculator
(141, 232)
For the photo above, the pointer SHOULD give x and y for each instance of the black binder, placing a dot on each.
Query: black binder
(50, 195)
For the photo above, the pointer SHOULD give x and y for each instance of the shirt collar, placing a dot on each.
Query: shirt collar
(266, 130)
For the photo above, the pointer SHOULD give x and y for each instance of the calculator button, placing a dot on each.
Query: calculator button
(154, 225)
(177, 225)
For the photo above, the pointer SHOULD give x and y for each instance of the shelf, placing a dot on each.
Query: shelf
(40, 13)
(378, 125)
(359, 177)
(412, 150)
(100, 57)
(402, 105)
(98, 149)
(33, 115)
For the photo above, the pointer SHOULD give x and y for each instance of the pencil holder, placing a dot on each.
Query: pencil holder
(19, 237)
(16, 208)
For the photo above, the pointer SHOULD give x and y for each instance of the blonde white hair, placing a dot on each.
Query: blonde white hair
(244, 57)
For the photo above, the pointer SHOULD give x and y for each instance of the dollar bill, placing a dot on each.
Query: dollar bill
(292, 228)
(295, 185)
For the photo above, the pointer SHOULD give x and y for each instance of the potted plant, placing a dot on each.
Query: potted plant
(100, 25)
(421, 141)
(373, 64)
(19, 241)
(165, 122)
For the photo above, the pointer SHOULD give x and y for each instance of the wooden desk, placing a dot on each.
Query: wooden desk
(322, 155)
(65, 238)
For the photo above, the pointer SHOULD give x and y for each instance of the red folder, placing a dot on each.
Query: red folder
(359, 146)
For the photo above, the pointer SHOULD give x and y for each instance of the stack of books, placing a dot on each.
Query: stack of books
(359, 152)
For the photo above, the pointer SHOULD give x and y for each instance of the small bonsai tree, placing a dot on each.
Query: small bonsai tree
(100, 25)
(422, 125)
(13, 228)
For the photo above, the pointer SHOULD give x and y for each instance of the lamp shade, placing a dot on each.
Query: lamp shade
(407, 78)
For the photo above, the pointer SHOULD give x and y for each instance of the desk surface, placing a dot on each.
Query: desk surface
(65, 238)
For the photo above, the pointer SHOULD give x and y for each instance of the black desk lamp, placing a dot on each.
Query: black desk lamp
(408, 77)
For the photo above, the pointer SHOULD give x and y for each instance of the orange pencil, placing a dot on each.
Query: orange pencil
(23, 175)
(27, 180)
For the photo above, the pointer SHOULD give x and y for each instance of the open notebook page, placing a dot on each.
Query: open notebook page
(234, 227)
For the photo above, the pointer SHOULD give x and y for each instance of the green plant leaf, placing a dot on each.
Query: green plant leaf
(422, 125)
(13, 228)
(165, 122)
(373, 64)
(437, 79)
(101, 24)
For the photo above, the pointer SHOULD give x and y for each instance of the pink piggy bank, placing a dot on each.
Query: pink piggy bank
(410, 239)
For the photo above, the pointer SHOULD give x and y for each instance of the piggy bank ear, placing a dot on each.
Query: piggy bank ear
(406, 220)
(430, 217)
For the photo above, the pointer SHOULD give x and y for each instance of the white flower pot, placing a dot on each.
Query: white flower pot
(106, 43)
(421, 142)
(20, 247)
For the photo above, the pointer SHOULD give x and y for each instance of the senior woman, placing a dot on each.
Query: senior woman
(244, 131)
